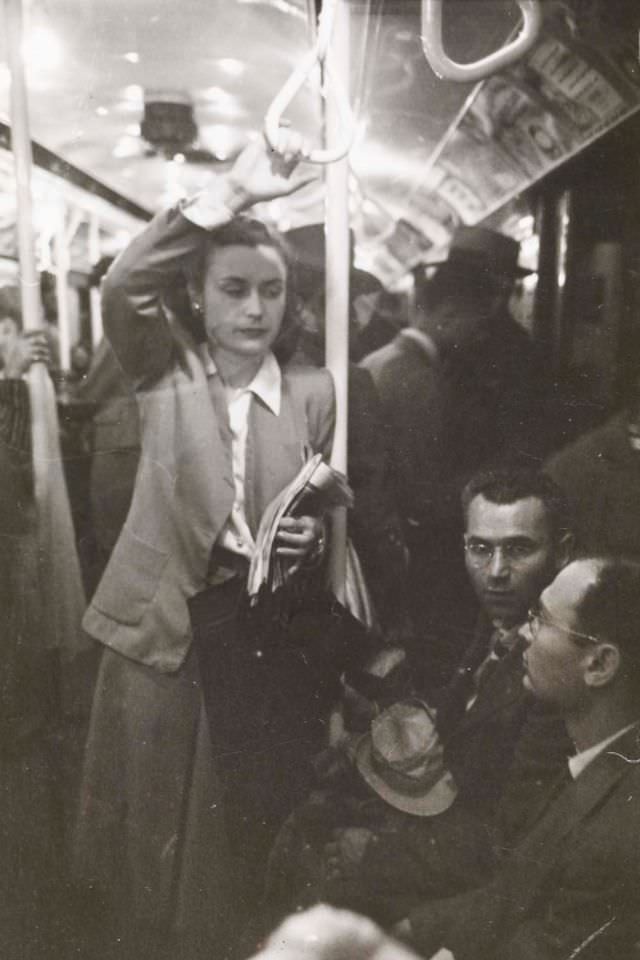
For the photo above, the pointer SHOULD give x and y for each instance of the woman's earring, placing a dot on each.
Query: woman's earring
(196, 306)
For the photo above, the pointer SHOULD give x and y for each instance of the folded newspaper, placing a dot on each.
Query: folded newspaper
(316, 489)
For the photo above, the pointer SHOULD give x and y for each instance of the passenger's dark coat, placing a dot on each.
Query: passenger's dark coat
(600, 475)
(575, 876)
(412, 394)
(480, 743)
(450, 415)
(503, 751)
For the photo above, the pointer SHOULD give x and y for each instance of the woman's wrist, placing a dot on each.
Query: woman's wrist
(217, 205)
(315, 555)
(234, 196)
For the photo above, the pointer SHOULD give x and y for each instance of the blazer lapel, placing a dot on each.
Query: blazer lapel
(562, 812)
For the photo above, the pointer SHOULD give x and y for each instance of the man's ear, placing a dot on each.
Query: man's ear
(564, 550)
(602, 665)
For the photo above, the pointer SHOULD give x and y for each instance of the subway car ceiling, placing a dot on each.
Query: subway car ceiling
(139, 102)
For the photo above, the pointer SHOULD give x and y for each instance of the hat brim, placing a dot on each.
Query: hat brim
(518, 272)
(436, 798)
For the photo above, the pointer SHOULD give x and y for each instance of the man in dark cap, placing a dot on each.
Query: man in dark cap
(461, 388)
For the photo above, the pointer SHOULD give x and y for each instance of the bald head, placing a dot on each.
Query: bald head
(585, 636)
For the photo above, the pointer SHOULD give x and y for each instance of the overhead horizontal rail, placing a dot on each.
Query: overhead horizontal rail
(52, 163)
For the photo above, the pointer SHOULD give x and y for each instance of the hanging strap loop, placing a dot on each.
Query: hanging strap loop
(448, 69)
(316, 56)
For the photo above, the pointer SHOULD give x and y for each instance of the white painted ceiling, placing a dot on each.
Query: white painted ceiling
(419, 154)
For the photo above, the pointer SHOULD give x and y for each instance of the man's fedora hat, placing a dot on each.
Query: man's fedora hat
(306, 246)
(401, 759)
(485, 249)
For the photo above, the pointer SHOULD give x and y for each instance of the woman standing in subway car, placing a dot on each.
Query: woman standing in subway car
(224, 429)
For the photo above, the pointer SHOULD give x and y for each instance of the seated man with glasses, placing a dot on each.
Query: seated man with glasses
(516, 540)
(571, 887)
(501, 748)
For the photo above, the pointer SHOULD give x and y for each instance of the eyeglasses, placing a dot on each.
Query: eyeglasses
(536, 618)
(481, 553)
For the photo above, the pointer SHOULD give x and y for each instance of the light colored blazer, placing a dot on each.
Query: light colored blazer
(184, 488)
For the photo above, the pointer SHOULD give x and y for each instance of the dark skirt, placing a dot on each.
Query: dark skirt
(150, 837)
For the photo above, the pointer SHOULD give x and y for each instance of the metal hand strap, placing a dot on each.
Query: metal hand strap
(448, 69)
(295, 82)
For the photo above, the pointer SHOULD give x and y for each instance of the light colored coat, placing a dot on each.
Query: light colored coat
(184, 488)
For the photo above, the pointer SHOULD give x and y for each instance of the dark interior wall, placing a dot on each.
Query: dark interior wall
(587, 301)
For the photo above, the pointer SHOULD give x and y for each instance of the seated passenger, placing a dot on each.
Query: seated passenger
(345, 844)
(570, 888)
(575, 877)
(600, 475)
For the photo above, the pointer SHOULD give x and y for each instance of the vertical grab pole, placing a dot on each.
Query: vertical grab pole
(21, 146)
(337, 285)
(94, 293)
(61, 245)
(62, 595)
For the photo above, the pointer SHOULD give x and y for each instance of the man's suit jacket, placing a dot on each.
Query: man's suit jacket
(184, 489)
(506, 747)
(453, 416)
(572, 883)
(412, 394)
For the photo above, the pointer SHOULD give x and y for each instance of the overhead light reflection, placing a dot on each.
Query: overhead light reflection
(132, 56)
(283, 5)
(223, 103)
(231, 66)
(125, 147)
(134, 93)
(223, 140)
(41, 48)
(174, 188)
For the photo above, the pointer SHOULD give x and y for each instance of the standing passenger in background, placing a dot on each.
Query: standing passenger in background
(223, 430)
(115, 446)
(30, 821)
(461, 389)
(600, 475)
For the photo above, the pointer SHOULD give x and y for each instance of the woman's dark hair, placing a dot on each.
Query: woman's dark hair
(247, 232)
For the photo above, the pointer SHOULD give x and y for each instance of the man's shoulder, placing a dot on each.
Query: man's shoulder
(592, 448)
(399, 363)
